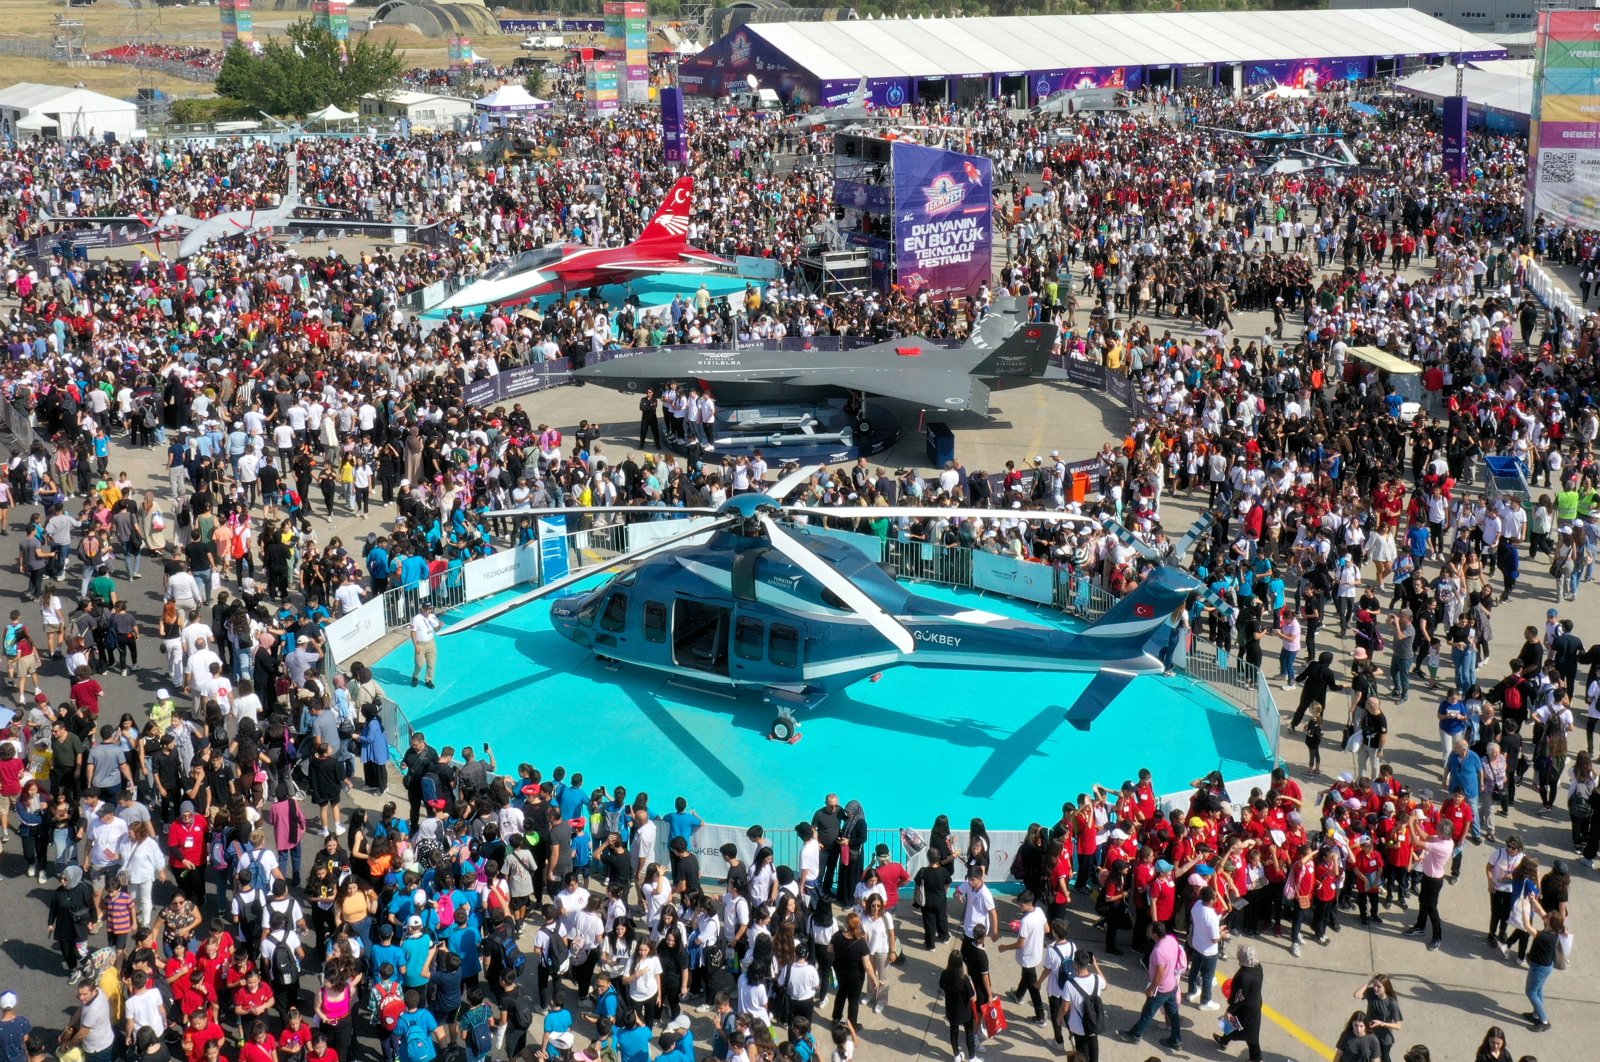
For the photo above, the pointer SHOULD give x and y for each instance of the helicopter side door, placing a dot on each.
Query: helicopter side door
(611, 629)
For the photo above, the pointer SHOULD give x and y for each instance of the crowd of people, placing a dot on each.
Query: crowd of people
(278, 387)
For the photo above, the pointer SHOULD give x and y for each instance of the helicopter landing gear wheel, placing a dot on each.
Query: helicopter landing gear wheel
(785, 728)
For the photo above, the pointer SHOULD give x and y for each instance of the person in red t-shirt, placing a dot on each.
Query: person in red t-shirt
(295, 1037)
(1329, 879)
(259, 1045)
(250, 1001)
(891, 875)
(200, 1030)
(1458, 812)
(186, 852)
(320, 1051)
(1369, 875)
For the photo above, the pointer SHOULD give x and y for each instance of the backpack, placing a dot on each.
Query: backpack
(1092, 1013)
(554, 953)
(418, 1044)
(389, 1003)
(519, 1013)
(251, 860)
(511, 957)
(285, 965)
(480, 1037)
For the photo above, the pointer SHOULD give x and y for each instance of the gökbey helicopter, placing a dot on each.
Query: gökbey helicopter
(739, 601)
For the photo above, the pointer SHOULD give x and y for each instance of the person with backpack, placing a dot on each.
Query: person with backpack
(283, 921)
(478, 1022)
(417, 1034)
(960, 1006)
(1082, 1009)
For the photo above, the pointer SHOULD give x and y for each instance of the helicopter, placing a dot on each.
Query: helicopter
(740, 602)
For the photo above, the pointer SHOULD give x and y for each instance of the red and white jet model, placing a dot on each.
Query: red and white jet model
(661, 248)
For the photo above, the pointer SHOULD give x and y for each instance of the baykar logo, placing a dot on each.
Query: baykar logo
(943, 195)
(739, 52)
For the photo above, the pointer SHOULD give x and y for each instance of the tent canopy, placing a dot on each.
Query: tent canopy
(330, 113)
(508, 98)
(35, 122)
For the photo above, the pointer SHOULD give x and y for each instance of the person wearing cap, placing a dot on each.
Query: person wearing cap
(425, 627)
(14, 1030)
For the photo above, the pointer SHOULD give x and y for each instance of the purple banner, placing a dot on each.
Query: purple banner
(674, 136)
(877, 253)
(871, 198)
(1455, 137)
(944, 225)
(1308, 73)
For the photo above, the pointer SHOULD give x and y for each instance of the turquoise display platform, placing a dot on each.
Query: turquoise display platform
(914, 744)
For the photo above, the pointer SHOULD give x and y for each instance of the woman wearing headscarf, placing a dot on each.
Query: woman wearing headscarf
(72, 916)
(1244, 1005)
(854, 834)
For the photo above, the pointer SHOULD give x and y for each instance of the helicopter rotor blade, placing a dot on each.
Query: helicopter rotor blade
(893, 512)
(842, 588)
(779, 490)
(579, 510)
(577, 577)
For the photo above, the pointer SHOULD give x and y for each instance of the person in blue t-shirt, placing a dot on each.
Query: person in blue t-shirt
(633, 1042)
(386, 951)
(416, 1024)
(558, 1019)
(463, 940)
(418, 946)
(681, 821)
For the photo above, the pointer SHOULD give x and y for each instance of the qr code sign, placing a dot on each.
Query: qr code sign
(1558, 167)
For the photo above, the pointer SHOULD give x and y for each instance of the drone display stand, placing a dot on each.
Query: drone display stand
(828, 431)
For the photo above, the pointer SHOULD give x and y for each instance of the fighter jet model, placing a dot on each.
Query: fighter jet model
(855, 110)
(194, 233)
(660, 248)
(1072, 101)
(1001, 350)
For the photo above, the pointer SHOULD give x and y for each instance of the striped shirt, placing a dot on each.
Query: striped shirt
(119, 914)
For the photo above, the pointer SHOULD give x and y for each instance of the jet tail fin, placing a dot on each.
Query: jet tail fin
(291, 190)
(670, 226)
(858, 98)
(1016, 347)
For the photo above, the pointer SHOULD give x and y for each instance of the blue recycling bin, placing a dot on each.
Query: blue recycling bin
(941, 443)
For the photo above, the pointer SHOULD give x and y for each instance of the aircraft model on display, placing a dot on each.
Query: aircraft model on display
(1074, 101)
(1281, 152)
(740, 601)
(194, 233)
(855, 110)
(1002, 349)
(661, 248)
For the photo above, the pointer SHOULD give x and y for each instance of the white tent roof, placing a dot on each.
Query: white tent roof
(31, 96)
(1504, 92)
(30, 122)
(951, 47)
(510, 97)
(330, 113)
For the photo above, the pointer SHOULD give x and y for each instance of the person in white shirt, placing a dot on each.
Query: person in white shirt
(348, 595)
(1029, 946)
(644, 981)
(143, 1008)
(425, 627)
(810, 861)
(1085, 982)
(977, 906)
(642, 846)
(1205, 938)
(882, 946)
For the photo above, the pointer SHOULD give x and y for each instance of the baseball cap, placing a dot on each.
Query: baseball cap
(8, 1000)
(414, 922)
(1163, 866)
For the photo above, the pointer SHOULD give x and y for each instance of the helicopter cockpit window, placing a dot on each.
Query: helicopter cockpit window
(783, 650)
(747, 639)
(655, 621)
(615, 617)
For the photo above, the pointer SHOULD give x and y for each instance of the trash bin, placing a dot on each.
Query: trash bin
(1080, 487)
(941, 443)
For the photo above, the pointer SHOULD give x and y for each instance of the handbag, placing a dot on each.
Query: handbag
(992, 1016)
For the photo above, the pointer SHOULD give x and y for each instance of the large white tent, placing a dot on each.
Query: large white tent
(922, 48)
(1503, 92)
(65, 111)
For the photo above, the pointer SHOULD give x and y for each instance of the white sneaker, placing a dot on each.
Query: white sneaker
(877, 1008)
(961, 1056)
(1192, 997)
(44, 878)
(1213, 1005)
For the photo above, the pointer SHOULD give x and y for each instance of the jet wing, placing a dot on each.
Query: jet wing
(929, 387)
(656, 267)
